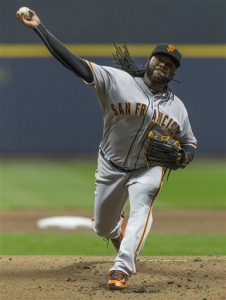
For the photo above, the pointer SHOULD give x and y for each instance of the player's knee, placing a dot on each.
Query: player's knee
(99, 231)
(103, 230)
(102, 233)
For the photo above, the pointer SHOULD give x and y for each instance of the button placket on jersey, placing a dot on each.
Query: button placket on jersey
(136, 150)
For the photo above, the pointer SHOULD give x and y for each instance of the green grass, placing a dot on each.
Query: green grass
(47, 184)
(68, 243)
(30, 184)
(200, 185)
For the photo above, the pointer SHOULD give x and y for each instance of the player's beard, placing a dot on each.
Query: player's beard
(156, 79)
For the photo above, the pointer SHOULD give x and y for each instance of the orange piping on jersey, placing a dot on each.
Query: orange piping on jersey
(191, 144)
(92, 84)
(91, 66)
(149, 213)
(92, 70)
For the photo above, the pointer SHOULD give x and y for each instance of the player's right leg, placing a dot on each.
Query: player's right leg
(110, 197)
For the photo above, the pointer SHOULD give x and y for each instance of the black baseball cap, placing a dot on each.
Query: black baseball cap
(169, 50)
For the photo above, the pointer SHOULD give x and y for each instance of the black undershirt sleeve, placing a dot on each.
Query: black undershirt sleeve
(75, 64)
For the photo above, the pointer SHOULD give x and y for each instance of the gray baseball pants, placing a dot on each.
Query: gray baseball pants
(113, 187)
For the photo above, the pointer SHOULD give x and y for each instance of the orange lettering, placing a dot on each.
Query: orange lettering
(114, 109)
(137, 108)
(121, 112)
(171, 48)
(127, 108)
(143, 109)
(164, 120)
(160, 118)
(154, 117)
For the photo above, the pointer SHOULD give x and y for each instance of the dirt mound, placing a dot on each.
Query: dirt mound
(71, 277)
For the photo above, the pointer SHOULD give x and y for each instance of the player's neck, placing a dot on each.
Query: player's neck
(153, 85)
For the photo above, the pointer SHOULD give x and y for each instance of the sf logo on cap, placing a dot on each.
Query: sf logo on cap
(171, 48)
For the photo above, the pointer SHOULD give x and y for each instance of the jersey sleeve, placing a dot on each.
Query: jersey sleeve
(186, 137)
(104, 82)
(102, 76)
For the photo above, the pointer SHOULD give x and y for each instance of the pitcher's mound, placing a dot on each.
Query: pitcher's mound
(73, 277)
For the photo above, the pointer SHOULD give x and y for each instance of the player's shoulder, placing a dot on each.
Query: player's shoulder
(118, 73)
(179, 103)
(111, 71)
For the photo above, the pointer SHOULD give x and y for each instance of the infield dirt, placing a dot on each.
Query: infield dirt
(71, 277)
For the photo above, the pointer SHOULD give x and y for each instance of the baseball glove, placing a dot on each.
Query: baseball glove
(164, 151)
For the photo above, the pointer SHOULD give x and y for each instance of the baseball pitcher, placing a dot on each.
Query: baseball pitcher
(146, 132)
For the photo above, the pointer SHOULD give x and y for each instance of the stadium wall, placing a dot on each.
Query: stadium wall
(45, 109)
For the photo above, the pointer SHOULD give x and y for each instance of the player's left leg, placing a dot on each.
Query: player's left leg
(143, 187)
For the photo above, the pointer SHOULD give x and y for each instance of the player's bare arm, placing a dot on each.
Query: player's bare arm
(75, 64)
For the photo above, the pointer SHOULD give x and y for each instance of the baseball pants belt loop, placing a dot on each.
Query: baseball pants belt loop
(114, 164)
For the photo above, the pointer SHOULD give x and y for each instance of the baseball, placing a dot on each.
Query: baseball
(24, 11)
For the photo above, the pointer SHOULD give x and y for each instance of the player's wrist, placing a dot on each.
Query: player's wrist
(185, 158)
(187, 155)
(40, 26)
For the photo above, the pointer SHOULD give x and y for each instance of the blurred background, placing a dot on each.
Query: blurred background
(45, 109)
(51, 124)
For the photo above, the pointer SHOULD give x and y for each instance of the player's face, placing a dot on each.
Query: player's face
(161, 68)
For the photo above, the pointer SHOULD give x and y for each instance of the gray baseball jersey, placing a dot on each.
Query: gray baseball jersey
(130, 111)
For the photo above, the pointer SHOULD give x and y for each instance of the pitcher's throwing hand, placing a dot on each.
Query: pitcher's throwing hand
(28, 17)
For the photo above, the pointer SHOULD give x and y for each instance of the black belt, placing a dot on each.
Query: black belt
(115, 165)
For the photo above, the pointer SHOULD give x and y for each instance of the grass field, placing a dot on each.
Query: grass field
(70, 184)
(90, 244)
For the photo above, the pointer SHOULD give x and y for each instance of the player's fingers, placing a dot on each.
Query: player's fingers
(32, 13)
(25, 22)
(19, 17)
